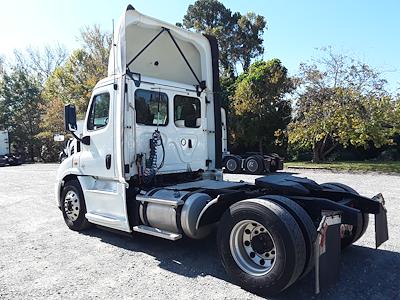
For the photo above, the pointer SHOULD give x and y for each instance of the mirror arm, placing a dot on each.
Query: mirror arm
(75, 136)
(84, 140)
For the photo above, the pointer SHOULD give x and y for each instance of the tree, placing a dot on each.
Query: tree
(1, 65)
(52, 122)
(41, 63)
(239, 36)
(74, 81)
(340, 101)
(20, 110)
(259, 104)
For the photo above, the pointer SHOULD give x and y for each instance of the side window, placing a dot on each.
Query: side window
(99, 112)
(151, 108)
(187, 112)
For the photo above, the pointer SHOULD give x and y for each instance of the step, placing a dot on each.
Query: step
(157, 232)
(173, 203)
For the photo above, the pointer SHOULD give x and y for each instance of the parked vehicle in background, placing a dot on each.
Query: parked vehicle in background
(71, 145)
(254, 163)
(7, 158)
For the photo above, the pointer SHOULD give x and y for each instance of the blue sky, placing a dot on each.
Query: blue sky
(369, 30)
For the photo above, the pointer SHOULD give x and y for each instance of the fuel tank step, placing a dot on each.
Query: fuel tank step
(168, 202)
(157, 232)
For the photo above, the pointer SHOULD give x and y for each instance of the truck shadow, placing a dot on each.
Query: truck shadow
(364, 273)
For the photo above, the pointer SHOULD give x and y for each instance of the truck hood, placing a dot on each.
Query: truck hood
(161, 58)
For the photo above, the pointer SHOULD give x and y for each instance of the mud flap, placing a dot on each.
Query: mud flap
(381, 226)
(327, 250)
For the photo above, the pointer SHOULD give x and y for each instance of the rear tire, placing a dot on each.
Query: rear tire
(232, 164)
(306, 225)
(254, 165)
(358, 230)
(274, 162)
(73, 206)
(251, 269)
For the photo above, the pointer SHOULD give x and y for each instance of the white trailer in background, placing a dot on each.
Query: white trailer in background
(4, 143)
(149, 161)
(7, 158)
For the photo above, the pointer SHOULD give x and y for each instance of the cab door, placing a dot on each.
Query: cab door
(105, 195)
(98, 157)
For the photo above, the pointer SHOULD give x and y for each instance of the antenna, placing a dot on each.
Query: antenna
(113, 49)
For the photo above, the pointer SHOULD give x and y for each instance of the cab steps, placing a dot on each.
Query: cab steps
(157, 232)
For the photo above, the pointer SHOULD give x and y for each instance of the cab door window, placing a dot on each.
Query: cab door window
(99, 112)
(187, 111)
(151, 108)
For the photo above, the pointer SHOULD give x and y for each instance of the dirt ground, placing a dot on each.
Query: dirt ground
(41, 258)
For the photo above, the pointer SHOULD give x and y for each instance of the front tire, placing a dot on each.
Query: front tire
(73, 206)
(261, 246)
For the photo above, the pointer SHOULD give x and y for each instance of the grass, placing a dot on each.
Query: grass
(360, 166)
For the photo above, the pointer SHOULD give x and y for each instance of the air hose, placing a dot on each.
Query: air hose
(151, 164)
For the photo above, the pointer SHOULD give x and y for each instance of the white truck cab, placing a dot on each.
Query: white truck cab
(149, 161)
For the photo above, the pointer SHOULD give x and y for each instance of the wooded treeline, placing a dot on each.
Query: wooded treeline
(335, 107)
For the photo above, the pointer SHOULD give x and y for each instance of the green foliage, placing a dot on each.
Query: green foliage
(340, 102)
(259, 105)
(365, 166)
(239, 36)
(52, 123)
(20, 110)
(74, 81)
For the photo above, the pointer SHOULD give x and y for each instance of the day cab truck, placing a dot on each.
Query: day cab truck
(149, 161)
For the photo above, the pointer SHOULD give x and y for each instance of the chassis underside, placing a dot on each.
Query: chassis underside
(312, 197)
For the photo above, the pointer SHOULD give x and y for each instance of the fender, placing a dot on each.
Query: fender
(213, 211)
(69, 167)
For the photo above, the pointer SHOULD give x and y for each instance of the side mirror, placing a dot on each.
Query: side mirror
(86, 140)
(70, 118)
(59, 138)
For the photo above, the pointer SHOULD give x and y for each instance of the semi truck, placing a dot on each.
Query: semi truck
(7, 158)
(149, 161)
(254, 163)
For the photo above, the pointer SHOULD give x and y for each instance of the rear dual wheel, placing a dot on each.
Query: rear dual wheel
(359, 229)
(261, 246)
(254, 164)
(232, 164)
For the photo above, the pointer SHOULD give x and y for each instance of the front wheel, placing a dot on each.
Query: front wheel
(73, 206)
(261, 246)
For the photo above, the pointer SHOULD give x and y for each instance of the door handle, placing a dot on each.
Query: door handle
(108, 161)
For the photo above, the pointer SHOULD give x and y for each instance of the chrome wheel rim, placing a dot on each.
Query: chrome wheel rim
(231, 165)
(252, 247)
(252, 165)
(72, 206)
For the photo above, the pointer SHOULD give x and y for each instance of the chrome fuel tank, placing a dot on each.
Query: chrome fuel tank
(173, 211)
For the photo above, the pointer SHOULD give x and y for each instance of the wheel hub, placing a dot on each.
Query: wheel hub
(231, 165)
(262, 243)
(252, 247)
(71, 205)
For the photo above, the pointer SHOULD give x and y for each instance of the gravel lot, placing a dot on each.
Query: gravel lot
(41, 258)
